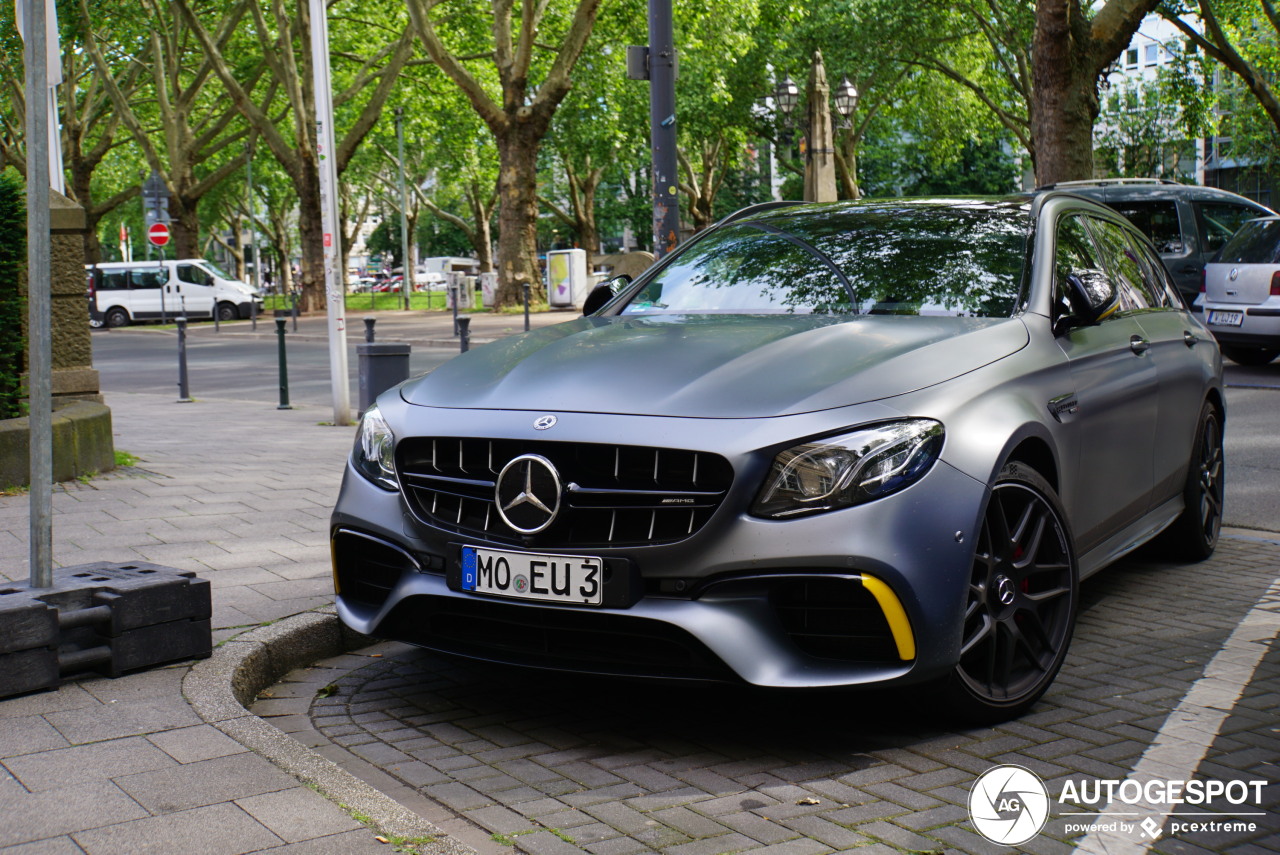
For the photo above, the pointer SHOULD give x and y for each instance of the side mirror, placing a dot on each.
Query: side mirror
(1092, 296)
(603, 293)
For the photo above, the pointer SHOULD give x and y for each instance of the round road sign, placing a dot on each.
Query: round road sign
(158, 234)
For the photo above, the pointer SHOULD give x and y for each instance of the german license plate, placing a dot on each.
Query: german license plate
(532, 576)
(1226, 319)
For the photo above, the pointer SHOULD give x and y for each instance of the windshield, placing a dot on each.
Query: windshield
(903, 259)
(215, 270)
(1257, 242)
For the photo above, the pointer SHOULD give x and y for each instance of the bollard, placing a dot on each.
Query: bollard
(526, 307)
(456, 292)
(464, 329)
(253, 311)
(216, 313)
(184, 391)
(368, 328)
(382, 365)
(295, 310)
(284, 367)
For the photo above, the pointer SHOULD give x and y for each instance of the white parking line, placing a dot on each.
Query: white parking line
(1189, 731)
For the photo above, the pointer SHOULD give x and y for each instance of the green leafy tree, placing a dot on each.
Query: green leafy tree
(13, 260)
(514, 73)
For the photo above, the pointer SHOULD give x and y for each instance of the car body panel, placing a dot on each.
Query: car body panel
(718, 366)
(1105, 411)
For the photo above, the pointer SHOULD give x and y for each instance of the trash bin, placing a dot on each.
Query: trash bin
(383, 364)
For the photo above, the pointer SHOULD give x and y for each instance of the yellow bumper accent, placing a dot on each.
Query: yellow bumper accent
(895, 614)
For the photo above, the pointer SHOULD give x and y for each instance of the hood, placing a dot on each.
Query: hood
(716, 366)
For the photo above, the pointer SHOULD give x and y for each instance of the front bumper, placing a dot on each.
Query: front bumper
(720, 605)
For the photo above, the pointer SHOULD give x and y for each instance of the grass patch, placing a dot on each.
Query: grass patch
(124, 458)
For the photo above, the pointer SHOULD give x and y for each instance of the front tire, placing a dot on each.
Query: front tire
(1194, 534)
(1020, 609)
(116, 317)
(228, 312)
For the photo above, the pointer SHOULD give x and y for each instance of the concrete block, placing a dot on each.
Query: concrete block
(28, 671)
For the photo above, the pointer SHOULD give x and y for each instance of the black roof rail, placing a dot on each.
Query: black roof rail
(756, 209)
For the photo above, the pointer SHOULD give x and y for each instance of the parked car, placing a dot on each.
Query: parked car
(1242, 293)
(857, 444)
(123, 292)
(1187, 223)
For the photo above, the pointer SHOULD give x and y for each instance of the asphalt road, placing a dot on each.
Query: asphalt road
(242, 367)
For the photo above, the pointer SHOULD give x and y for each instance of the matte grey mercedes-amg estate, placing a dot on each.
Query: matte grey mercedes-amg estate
(872, 443)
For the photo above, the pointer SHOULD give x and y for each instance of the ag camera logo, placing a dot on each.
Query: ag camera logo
(1008, 805)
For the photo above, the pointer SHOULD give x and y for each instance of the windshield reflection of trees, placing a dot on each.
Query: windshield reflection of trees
(921, 260)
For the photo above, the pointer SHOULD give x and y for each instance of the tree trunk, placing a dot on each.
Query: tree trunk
(518, 215)
(310, 235)
(185, 231)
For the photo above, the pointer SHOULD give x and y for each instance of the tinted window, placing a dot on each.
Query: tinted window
(1220, 220)
(149, 277)
(1159, 287)
(1123, 265)
(1156, 220)
(1257, 242)
(194, 275)
(113, 280)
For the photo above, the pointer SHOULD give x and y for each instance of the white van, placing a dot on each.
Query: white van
(121, 292)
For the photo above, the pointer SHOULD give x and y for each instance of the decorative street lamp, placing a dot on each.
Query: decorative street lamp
(786, 95)
(846, 98)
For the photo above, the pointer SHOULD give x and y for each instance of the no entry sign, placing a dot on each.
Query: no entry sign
(158, 234)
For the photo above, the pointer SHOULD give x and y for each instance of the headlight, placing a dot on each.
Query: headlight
(849, 469)
(374, 454)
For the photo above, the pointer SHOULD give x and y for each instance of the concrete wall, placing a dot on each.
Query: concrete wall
(82, 444)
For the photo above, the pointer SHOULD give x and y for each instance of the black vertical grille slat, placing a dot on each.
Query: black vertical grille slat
(834, 619)
(615, 495)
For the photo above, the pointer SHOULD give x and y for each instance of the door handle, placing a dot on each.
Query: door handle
(1138, 344)
(1189, 338)
(1189, 268)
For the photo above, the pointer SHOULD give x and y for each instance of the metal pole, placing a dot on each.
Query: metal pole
(216, 313)
(526, 306)
(406, 260)
(39, 300)
(284, 366)
(293, 295)
(335, 279)
(662, 128)
(164, 286)
(464, 328)
(184, 388)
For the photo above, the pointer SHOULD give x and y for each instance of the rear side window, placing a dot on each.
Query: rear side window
(113, 280)
(148, 277)
(1257, 242)
(1157, 220)
(1220, 220)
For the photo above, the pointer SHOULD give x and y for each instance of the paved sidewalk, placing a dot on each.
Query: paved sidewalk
(241, 494)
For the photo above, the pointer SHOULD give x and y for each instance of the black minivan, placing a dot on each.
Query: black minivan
(1187, 223)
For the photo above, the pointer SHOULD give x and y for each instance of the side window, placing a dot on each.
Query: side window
(1076, 255)
(194, 275)
(1123, 265)
(148, 277)
(1220, 220)
(1156, 220)
(1159, 285)
(113, 280)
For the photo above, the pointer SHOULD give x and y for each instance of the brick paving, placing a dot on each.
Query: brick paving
(554, 764)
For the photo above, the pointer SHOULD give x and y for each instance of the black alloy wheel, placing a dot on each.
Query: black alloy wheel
(228, 312)
(116, 317)
(1021, 604)
(1194, 535)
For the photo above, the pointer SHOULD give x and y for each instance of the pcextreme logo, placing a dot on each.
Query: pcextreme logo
(1008, 805)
